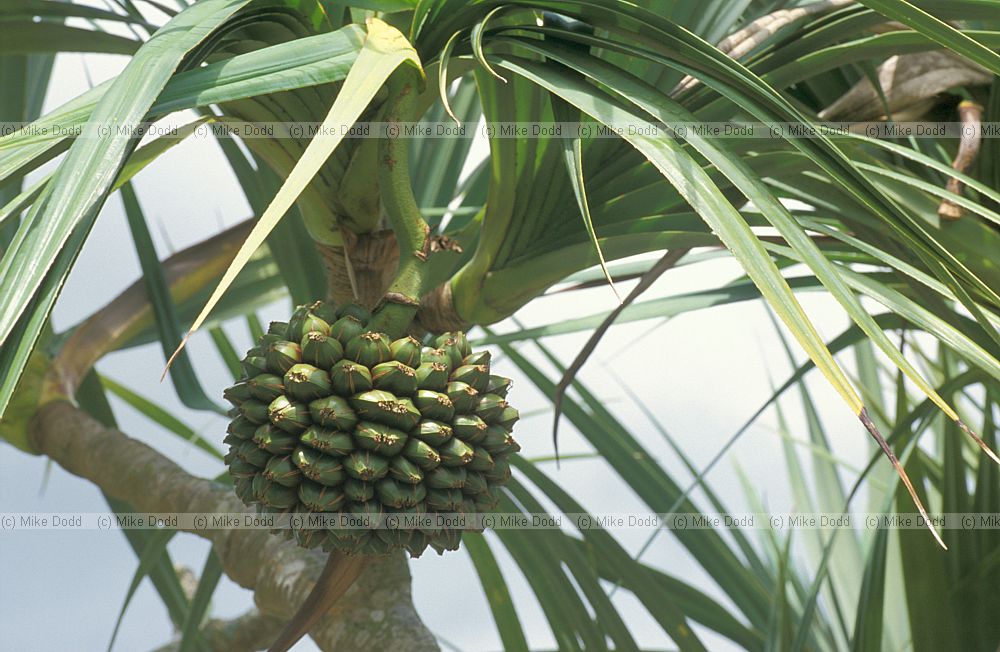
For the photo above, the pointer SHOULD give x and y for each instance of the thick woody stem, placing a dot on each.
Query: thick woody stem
(910, 85)
(376, 613)
(360, 270)
(246, 633)
(970, 114)
(403, 297)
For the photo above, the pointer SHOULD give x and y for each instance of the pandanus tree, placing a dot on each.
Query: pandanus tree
(425, 239)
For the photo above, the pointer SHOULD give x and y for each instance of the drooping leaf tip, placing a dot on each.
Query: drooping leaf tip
(979, 440)
(173, 356)
(873, 430)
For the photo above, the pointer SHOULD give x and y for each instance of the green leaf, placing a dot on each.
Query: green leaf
(564, 610)
(923, 317)
(668, 45)
(667, 307)
(300, 63)
(385, 49)
(160, 416)
(226, 350)
(210, 575)
(26, 36)
(606, 615)
(698, 190)
(290, 244)
(934, 190)
(753, 188)
(42, 9)
(33, 269)
(668, 613)
(868, 624)
(652, 484)
(925, 574)
(497, 594)
(182, 373)
(476, 36)
(443, 76)
(386, 6)
(573, 153)
(846, 557)
(924, 547)
(436, 165)
(152, 553)
(91, 398)
(938, 30)
(137, 162)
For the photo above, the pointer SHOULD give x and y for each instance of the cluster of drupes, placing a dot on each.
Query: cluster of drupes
(334, 418)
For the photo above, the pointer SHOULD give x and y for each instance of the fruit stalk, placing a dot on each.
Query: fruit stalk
(403, 297)
(338, 575)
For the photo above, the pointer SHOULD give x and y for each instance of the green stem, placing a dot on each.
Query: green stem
(467, 283)
(403, 297)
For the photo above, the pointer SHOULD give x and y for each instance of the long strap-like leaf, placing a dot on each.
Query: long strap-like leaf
(33, 270)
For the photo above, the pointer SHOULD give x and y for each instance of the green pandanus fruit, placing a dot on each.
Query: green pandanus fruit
(333, 418)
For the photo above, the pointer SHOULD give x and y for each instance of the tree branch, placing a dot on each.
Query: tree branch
(186, 272)
(376, 613)
(910, 84)
(246, 633)
(740, 43)
(971, 115)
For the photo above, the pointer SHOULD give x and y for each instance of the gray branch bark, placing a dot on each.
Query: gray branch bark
(248, 632)
(740, 43)
(910, 84)
(377, 613)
